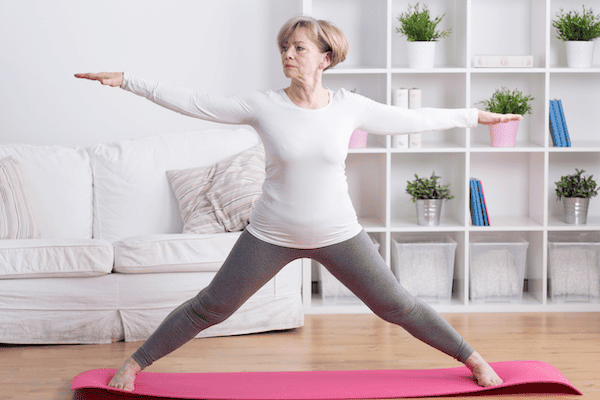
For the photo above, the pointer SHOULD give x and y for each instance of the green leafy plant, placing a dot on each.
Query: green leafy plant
(573, 26)
(504, 101)
(427, 188)
(418, 26)
(576, 185)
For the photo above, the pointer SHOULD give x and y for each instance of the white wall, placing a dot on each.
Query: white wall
(219, 47)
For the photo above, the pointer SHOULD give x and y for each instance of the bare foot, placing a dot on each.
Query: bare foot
(125, 377)
(482, 372)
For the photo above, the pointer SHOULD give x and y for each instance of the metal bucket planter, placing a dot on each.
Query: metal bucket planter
(429, 211)
(576, 210)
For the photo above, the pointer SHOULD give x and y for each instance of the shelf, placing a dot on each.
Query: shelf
(340, 70)
(518, 181)
(594, 70)
(434, 147)
(519, 148)
(558, 224)
(410, 225)
(438, 70)
(578, 146)
(372, 224)
(508, 223)
(482, 70)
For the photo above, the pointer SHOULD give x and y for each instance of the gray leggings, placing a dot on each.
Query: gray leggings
(252, 263)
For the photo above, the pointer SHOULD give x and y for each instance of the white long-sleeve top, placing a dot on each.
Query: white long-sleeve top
(305, 202)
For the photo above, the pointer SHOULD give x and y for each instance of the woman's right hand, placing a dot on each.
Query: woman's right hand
(113, 79)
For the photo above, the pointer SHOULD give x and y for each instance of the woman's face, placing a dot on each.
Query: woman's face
(301, 57)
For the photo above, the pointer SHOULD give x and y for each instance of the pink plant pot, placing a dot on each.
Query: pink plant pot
(358, 140)
(504, 134)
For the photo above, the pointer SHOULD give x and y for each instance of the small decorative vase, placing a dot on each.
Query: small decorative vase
(504, 134)
(576, 210)
(429, 211)
(421, 54)
(580, 54)
(358, 140)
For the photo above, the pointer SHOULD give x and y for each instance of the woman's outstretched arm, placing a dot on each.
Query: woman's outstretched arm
(234, 109)
(383, 119)
(113, 79)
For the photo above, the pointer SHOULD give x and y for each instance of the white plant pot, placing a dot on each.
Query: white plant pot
(580, 54)
(421, 54)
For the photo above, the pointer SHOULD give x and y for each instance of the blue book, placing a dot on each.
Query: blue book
(554, 126)
(558, 127)
(475, 205)
(482, 201)
(564, 124)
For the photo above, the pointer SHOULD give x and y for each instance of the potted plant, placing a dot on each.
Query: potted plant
(504, 101)
(575, 192)
(428, 195)
(421, 34)
(578, 31)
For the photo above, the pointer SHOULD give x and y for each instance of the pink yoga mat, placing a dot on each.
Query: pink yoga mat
(519, 377)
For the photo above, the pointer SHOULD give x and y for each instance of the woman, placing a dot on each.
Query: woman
(305, 129)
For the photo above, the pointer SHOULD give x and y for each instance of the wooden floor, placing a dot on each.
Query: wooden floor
(569, 341)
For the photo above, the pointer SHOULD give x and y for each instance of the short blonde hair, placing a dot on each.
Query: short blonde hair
(324, 34)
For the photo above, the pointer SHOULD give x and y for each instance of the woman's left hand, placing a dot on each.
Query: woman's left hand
(488, 118)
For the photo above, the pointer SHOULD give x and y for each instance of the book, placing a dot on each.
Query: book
(554, 132)
(414, 102)
(485, 205)
(482, 203)
(503, 61)
(478, 206)
(557, 125)
(564, 124)
(476, 216)
(400, 99)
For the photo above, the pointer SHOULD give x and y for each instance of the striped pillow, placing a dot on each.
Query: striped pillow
(16, 217)
(221, 197)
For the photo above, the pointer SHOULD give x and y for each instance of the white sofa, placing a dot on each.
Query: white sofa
(111, 261)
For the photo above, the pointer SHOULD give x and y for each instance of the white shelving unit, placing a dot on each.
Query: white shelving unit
(518, 182)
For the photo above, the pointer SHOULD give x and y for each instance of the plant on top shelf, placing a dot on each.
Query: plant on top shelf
(576, 185)
(427, 189)
(418, 26)
(578, 32)
(573, 26)
(504, 101)
(421, 34)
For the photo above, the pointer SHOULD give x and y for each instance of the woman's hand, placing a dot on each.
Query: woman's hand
(488, 118)
(113, 79)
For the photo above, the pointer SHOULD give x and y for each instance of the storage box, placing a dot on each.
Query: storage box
(497, 269)
(574, 267)
(332, 291)
(425, 266)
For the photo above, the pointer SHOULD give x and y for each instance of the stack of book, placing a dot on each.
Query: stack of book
(479, 214)
(411, 99)
(558, 125)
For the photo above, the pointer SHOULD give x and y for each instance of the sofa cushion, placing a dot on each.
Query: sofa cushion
(16, 218)
(132, 193)
(220, 197)
(58, 182)
(49, 258)
(173, 253)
